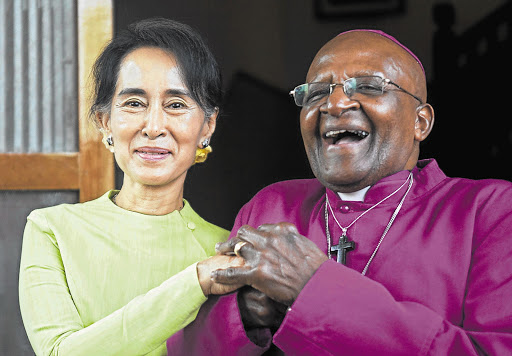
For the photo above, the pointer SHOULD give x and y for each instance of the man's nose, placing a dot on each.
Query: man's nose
(338, 101)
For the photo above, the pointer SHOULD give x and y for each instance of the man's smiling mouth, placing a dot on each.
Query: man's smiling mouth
(345, 136)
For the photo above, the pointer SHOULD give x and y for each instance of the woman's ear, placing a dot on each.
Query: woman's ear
(103, 120)
(424, 122)
(210, 124)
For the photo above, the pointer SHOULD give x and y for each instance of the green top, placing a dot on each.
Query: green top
(96, 279)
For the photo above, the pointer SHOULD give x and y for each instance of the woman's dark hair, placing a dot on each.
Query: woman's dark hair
(197, 64)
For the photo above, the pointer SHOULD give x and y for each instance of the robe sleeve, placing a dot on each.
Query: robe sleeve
(53, 323)
(216, 331)
(218, 327)
(341, 311)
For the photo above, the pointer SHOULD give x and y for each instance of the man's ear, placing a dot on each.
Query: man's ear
(424, 122)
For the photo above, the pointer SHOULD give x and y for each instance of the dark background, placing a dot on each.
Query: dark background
(265, 48)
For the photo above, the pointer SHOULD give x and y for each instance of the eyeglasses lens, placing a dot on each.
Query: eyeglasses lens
(364, 87)
(354, 88)
(309, 93)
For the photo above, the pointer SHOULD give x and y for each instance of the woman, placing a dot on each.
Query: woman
(118, 275)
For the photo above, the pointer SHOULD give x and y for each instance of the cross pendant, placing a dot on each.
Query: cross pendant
(341, 249)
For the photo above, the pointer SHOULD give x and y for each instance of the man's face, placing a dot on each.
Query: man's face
(380, 130)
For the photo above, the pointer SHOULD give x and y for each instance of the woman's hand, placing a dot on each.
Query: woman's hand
(218, 262)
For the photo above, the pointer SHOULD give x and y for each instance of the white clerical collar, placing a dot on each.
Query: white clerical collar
(354, 196)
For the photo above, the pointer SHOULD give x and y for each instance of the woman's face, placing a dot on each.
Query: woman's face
(155, 124)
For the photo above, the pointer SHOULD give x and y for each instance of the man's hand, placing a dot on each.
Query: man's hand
(259, 311)
(218, 262)
(278, 261)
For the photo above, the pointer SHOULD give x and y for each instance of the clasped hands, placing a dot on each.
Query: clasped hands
(277, 264)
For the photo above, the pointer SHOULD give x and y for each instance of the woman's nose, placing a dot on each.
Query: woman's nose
(154, 125)
(339, 102)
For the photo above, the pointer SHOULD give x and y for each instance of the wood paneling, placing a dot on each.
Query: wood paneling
(96, 163)
(38, 171)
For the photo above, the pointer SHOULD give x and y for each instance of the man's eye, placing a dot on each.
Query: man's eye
(316, 94)
(369, 88)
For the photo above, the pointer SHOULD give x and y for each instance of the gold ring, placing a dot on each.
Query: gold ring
(238, 246)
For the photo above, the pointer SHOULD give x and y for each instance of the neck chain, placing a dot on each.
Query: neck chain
(344, 229)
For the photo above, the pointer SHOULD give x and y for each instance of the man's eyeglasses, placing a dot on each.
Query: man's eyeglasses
(354, 88)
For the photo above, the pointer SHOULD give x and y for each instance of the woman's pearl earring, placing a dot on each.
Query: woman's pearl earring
(107, 140)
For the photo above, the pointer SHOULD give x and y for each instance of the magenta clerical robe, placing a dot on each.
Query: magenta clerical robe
(440, 284)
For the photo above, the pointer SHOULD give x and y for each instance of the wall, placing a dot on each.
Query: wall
(275, 40)
(14, 208)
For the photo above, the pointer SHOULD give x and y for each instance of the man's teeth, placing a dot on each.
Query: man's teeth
(335, 134)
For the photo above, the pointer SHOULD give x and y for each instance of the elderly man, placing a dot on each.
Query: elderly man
(381, 254)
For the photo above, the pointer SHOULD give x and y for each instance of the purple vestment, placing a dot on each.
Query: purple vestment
(440, 284)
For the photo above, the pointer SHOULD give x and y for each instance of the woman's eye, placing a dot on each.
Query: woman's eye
(177, 105)
(134, 104)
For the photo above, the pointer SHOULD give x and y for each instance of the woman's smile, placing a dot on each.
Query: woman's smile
(153, 153)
